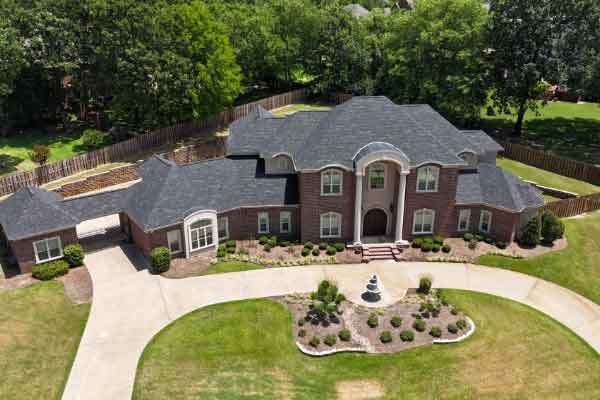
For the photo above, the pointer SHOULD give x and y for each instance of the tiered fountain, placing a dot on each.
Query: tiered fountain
(374, 290)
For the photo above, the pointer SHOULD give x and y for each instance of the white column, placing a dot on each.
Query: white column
(400, 209)
(358, 210)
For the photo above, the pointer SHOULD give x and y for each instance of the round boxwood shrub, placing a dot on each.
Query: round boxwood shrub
(473, 244)
(285, 243)
(501, 244)
(552, 228)
(263, 240)
(301, 322)
(309, 245)
(330, 340)
(452, 328)
(230, 250)
(446, 248)
(339, 247)
(419, 325)
(50, 270)
(407, 336)
(479, 237)
(435, 331)
(373, 320)
(435, 248)
(160, 260)
(396, 321)
(315, 341)
(438, 239)
(316, 251)
(417, 243)
(461, 324)
(467, 237)
(385, 337)
(424, 285)
(530, 235)
(322, 246)
(274, 240)
(231, 243)
(331, 251)
(221, 253)
(74, 255)
(301, 333)
(305, 252)
(426, 247)
(267, 247)
(454, 311)
(344, 335)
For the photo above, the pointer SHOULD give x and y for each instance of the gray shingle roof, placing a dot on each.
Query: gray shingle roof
(482, 142)
(97, 205)
(315, 139)
(496, 187)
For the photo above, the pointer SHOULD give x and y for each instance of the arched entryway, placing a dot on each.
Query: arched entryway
(375, 223)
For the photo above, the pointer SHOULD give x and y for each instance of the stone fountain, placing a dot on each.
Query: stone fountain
(374, 290)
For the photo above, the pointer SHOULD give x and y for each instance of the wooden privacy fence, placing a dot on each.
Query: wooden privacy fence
(130, 148)
(573, 206)
(562, 166)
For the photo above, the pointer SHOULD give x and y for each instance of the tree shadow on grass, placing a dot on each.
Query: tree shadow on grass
(8, 163)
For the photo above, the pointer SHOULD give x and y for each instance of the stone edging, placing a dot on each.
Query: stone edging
(461, 338)
(315, 353)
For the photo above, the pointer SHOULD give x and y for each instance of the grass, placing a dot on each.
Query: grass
(567, 129)
(230, 266)
(546, 178)
(39, 335)
(575, 267)
(245, 350)
(292, 108)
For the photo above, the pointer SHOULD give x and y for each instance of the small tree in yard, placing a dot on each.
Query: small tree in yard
(325, 302)
(93, 139)
(530, 236)
(552, 227)
(40, 154)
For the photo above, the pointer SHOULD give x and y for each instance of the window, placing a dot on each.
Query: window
(201, 234)
(263, 222)
(223, 224)
(47, 249)
(377, 177)
(285, 222)
(464, 220)
(331, 183)
(282, 163)
(485, 221)
(427, 179)
(423, 221)
(331, 225)
(174, 240)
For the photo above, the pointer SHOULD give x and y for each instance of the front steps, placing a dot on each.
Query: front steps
(379, 252)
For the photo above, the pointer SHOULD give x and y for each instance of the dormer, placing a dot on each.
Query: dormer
(279, 164)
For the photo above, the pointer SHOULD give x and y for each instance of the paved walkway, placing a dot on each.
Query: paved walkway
(130, 306)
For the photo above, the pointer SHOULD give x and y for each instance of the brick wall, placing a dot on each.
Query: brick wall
(22, 250)
(243, 222)
(505, 225)
(147, 241)
(113, 177)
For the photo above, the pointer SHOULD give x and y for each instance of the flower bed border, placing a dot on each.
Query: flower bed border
(315, 353)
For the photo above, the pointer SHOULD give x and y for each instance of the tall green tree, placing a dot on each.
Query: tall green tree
(434, 55)
(12, 62)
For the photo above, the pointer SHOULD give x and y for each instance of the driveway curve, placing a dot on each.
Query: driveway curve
(130, 306)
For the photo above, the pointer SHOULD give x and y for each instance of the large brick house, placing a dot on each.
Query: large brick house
(367, 171)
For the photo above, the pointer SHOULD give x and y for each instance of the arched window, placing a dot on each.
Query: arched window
(280, 164)
(331, 182)
(331, 225)
(423, 221)
(201, 234)
(427, 179)
(377, 176)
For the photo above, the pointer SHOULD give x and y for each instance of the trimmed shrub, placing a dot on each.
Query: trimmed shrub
(243, 251)
(426, 247)
(222, 246)
(305, 252)
(438, 239)
(417, 243)
(454, 311)
(315, 341)
(373, 320)
(160, 260)
(285, 243)
(331, 251)
(461, 324)
(344, 335)
(488, 240)
(263, 240)
(396, 321)
(309, 245)
(452, 328)
(322, 246)
(230, 250)
(479, 237)
(50, 270)
(339, 298)
(301, 322)
(435, 331)
(339, 247)
(386, 337)
(330, 340)
(316, 251)
(74, 255)
(267, 247)
(530, 235)
(501, 244)
(221, 253)
(552, 228)
(419, 325)
(467, 237)
(446, 248)
(435, 248)
(424, 285)
(274, 240)
(473, 244)
(231, 243)
(407, 336)
(301, 333)
(93, 139)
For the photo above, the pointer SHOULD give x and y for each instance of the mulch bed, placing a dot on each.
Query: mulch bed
(294, 252)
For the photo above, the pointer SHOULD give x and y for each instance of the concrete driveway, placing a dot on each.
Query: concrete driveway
(131, 306)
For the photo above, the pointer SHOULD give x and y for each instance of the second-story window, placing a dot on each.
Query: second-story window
(331, 182)
(427, 179)
(377, 177)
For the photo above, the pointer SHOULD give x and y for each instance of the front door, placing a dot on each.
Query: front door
(375, 223)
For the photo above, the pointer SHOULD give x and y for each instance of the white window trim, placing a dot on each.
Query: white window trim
(202, 228)
(460, 215)
(485, 212)
(226, 219)
(330, 214)
(371, 167)
(288, 216)
(45, 241)
(178, 232)
(261, 215)
(437, 178)
(415, 222)
(332, 171)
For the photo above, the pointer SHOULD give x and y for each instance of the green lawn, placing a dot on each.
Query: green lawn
(14, 149)
(39, 335)
(245, 350)
(300, 107)
(577, 267)
(546, 178)
(230, 266)
(568, 129)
